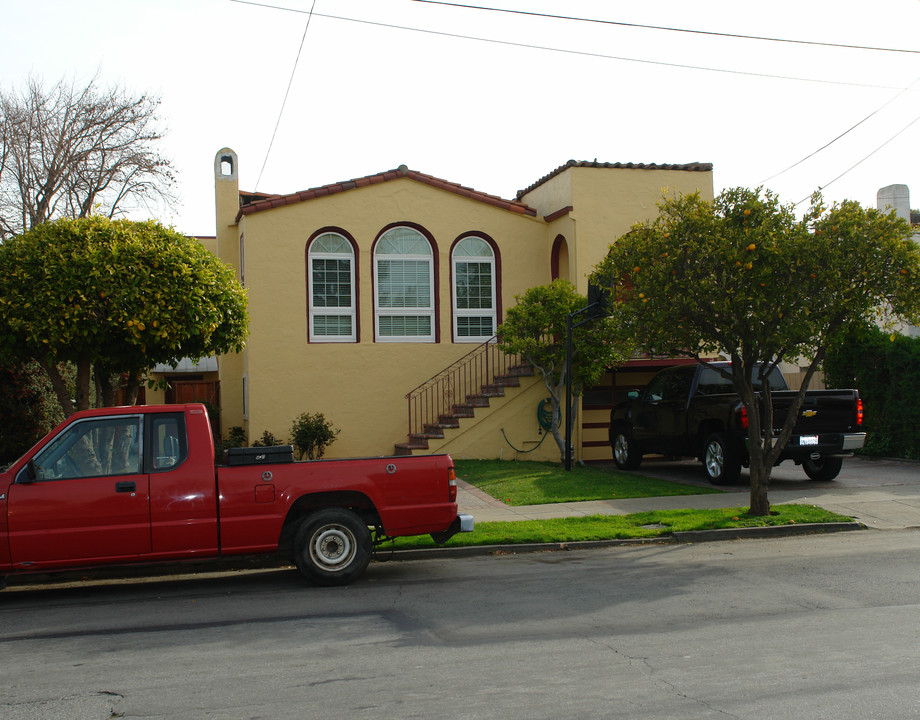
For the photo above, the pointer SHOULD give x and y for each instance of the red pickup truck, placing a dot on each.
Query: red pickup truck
(116, 486)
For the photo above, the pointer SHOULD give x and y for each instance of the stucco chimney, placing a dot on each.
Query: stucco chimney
(227, 205)
(895, 197)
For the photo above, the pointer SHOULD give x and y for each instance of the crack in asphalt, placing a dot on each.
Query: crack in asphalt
(645, 668)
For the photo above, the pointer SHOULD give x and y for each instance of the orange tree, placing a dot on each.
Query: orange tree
(741, 275)
(113, 297)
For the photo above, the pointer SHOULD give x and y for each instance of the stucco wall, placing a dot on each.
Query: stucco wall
(609, 201)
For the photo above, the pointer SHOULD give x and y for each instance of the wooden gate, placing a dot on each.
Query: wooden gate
(197, 391)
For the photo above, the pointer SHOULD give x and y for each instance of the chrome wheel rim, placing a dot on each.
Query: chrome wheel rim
(715, 460)
(621, 449)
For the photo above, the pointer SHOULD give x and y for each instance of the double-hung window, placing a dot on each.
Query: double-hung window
(331, 260)
(404, 287)
(474, 290)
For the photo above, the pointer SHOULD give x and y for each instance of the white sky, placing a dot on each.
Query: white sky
(496, 117)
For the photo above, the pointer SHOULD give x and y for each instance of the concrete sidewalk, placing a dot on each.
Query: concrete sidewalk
(887, 507)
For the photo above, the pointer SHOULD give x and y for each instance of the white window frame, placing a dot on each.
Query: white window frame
(473, 312)
(422, 312)
(326, 311)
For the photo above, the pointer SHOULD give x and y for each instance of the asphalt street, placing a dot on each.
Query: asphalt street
(821, 626)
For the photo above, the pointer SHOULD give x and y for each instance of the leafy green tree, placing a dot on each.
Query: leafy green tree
(742, 276)
(114, 297)
(536, 329)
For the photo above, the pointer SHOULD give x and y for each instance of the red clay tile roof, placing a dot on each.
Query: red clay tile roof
(691, 167)
(255, 205)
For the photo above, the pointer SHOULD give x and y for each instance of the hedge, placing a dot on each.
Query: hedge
(886, 370)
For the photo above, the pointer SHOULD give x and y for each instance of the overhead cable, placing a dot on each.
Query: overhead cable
(286, 93)
(581, 53)
(857, 164)
(845, 132)
(671, 29)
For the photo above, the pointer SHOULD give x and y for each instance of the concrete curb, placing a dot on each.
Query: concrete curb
(694, 536)
(761, 532)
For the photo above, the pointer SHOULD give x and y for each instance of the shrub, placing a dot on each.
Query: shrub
(311, 434)
(236, 437)
(28, 409)
(267, 440)
(886, 371)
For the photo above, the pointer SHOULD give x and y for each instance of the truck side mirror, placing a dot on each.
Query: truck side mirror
(27, 475)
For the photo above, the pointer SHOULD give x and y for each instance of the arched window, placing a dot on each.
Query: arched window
(331, 287)
(404, 287)
(474, 290)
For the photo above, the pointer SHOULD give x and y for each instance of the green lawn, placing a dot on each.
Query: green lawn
(637, 525)
(539, 483)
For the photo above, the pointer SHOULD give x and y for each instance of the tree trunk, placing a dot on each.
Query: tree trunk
(760, 481)
(84, 374)
(555, 394)
(132, 388)
(106, 387)
(59, 385)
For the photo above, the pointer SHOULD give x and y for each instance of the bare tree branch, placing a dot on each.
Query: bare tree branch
(71, 152)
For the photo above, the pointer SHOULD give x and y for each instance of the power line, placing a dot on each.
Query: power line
(857, 164)
(286, 93)
(581, 53)
(670, 29)
(845, 132)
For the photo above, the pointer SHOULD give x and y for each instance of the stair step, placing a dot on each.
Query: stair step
(508, 381)
(432, 432)
(463, 411)
(449, 421)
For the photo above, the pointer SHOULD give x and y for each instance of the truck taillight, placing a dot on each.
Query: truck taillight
(859, 411)
(743, 418)
(451, 484)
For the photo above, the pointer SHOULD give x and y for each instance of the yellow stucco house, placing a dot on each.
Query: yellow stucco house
(373, 301)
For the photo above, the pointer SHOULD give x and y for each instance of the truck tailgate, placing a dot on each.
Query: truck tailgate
(824, 411)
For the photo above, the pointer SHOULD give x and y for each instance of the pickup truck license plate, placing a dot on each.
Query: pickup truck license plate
(808, 440)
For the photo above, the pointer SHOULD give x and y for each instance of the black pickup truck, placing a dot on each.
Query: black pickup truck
(693, 411)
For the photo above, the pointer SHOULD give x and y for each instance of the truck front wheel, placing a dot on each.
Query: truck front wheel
(332, 547)
(825, 468)
(721, 462)
(625, 453)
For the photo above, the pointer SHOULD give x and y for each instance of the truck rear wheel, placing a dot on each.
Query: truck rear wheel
(332, 547)
(824, 468)
(720, 461)
(625, 453)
